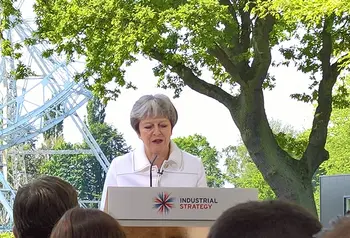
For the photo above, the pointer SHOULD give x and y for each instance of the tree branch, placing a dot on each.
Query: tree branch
(262, 50)
(229, 66)
(315, 152)
(240, 36)
(197, 84)
(245, 30)
(231, 10)
(231, 30)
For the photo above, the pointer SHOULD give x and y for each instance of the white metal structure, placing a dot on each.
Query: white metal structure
(30, 106)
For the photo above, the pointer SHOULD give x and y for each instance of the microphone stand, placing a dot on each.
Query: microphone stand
(150, 171)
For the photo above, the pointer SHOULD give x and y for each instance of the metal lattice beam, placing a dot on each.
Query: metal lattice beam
(33, 105)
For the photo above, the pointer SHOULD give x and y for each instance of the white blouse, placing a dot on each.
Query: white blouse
(133, 170)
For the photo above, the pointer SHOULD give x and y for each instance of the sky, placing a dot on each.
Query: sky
(199, 113)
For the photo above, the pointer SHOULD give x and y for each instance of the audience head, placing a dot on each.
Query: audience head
(340, 229)
(40, 204)
(264, 219)
(87, 223)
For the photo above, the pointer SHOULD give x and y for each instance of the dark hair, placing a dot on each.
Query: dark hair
(341, 229)
(270, 219)
(40, 204)
(86, 223)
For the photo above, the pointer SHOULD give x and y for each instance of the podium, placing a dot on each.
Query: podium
(176, 212)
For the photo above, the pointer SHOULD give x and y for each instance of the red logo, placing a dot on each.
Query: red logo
(163, 203)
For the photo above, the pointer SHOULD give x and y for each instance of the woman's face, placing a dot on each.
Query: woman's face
(155, 134)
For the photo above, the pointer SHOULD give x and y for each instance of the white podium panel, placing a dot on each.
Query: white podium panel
(173, 207)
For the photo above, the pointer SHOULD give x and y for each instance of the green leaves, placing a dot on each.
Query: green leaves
(341, 99)
(338, 143)
(6, 49)
(199, 146)
(319, 38)
(243, 173)
(84, 171)
(7, 235)
(308, 11)
(110, 34)
(10, 17)
(7, 10)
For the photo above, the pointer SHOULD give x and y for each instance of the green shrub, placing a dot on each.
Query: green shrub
(6, 235)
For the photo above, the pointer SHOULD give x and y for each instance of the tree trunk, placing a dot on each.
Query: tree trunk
(289, 178)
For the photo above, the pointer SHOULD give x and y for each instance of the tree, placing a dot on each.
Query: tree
(96, 111)
(75, 169)
(199, 146)
(338, 147)
(57, 130)
(32, 162)
(84, 171)
(109, 139)
(317, 17)
(226, 37)
(338, 144)
(9, 18)
(243, 173)
(311, 11)
(241, 170)
(112, 144)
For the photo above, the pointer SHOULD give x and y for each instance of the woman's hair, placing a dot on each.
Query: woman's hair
(150, 106)
(40, 204)
(87, 223)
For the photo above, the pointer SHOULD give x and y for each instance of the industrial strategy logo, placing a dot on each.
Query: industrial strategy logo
(163, 202)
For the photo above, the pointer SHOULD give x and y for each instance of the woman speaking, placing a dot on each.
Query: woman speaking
(158, 162)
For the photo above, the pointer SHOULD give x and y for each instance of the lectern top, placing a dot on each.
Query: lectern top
(174, 204)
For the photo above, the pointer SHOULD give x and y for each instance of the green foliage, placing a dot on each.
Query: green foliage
(32, 163)
(84, 171)
(96, 111)
(109, 139)
(7, 235)
(7, 11)
(200, 147)
(338, 139)
(243, 173)
(9, 18)
(309, 11)
(341, 98)
(73, 168)
(111, 33)
(57, 130)
(317, 28)
(338, 143)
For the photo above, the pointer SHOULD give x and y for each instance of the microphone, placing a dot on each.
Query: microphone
(150, 170)
(160, 172)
